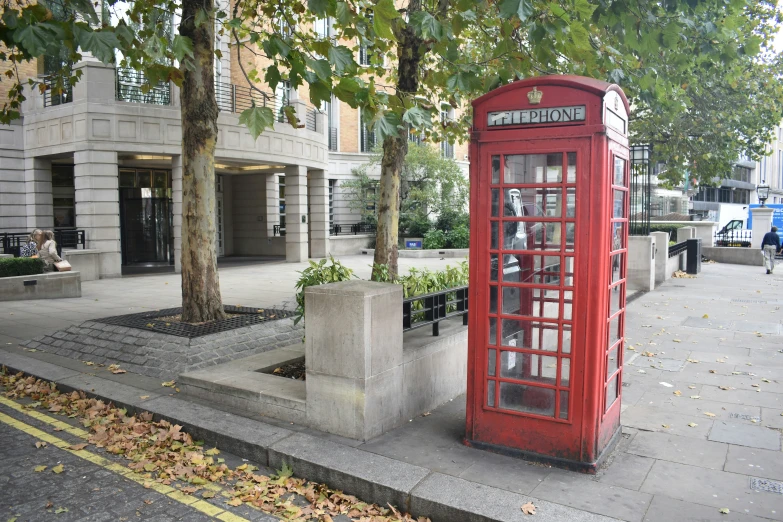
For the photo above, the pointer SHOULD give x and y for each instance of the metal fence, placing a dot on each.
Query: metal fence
(236, 98)
(10, 242)
(739, 238)
(356, 228)
(641, 190)
(61, 96)
(431, 309)
(368, 139)
(133, 86)
(332, 138)
(678, 249)
(310, 119)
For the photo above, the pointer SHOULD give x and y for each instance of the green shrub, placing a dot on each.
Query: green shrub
(419, 282)
(419, 227)
(20, 266)
(451, 219)
(318, 274)
(458, 237)
(434, 239)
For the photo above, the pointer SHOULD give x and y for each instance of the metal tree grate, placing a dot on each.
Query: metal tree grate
(150, 321)
(770, 486)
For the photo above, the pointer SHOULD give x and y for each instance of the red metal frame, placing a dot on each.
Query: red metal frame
(527, 254)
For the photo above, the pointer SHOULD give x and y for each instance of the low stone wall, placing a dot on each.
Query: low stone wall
(160, 355)
(349, 245)
(461, 253)
(734, 256)
(641, 263)
(51, 285)
(87, 262)
(675, 263)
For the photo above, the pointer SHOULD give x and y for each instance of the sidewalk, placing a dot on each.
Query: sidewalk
(717, 339)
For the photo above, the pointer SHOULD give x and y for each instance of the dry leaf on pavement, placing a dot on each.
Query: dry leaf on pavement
(529, 509)
(115, 368)
(692, 424)
(58, 469)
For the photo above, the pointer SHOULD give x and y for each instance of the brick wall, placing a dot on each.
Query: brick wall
(26, 70)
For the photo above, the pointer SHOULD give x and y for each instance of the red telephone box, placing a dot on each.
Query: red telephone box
(549, 234)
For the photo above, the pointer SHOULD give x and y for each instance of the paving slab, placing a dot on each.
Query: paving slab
(769, 328)
(44, 370)
(446, 498)
(666, 509)
(745, 435)
(582, 492)
(364, 474)
(710, 487)
(675, 448)
(626, 470)
(743, 397)
(772, 418)
(755, 462)
(649, 418)
(502, 472)
(709, 323)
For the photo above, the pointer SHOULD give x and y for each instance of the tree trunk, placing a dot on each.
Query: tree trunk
(410, 50)
(200, 285)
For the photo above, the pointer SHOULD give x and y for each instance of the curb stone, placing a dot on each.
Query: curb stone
(372, 478)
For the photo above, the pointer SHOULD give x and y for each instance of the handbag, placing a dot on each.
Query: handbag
(63, 266)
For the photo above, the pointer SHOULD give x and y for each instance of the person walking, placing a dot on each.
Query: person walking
(770, 246)
(48, 251)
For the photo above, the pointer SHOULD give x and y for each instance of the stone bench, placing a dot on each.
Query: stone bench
(52, 285)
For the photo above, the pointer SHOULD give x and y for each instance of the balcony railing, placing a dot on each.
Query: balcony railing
(237, 98)
(333, 138)
(310, 119)
(368, 139)
(61, 96)
(129, 88)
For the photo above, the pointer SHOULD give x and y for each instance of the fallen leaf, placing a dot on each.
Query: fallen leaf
(695, 396)
(705, 316)
(39, 469)
(764, 379)
(720, 360)
(426, 414)
(115, 368)
(692, 424)
(169, 384)
(724, 511)
(142, 397)
(692, 387)
(148, 501)
(58, 469)
(755, 385)
(529, 509)
(726, 387)
(236, 501)
(708, 414)
(713, 371)
(89, 363)
(678, 393)
(208, 494)
(40, 444)
(49, 504)
(666, 426)
(78, 447)
(61, 510)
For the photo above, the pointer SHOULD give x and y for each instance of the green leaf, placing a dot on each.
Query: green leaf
(321, 68)
(383, 14)
(463, 81)
(272, 77)
(257, 119)
(417, 117)
(343, 13)
(521, 8)
(319, 92)
(427, 25)
(182, 47)
(100, 43)
(318, 7)
(342, 59)
(34, 39)
(202, 17)
(386, 125)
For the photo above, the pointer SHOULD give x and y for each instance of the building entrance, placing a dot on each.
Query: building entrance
(146, 218)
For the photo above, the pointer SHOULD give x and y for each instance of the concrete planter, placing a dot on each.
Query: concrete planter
(53, 285)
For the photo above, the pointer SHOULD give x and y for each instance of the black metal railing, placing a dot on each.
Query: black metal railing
(133, 86)
(72, 238)
(310, 119)
(423, 310)
(678, 249)
(278, 230)
(733, 238)
(236, 98)
(332, 138)
(54, 95)
(641, 190)
(354, 229)
(368, 139)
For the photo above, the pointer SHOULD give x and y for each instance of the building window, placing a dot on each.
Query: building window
(219, 183)
(323, 27)
(367, 138)
(281, 198)
(724, 195)
(446, 148)
(283, 95)
(331, 119)
(332, 184)
(741, 174)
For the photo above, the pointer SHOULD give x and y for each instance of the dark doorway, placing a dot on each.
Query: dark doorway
(146, 218)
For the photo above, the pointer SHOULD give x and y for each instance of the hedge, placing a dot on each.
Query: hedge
(670, 229)
(20, 266)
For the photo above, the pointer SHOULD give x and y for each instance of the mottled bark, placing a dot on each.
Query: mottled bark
(200, 285)
(410, 50)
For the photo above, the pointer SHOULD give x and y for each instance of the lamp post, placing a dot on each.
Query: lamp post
(641, 174)
(763, 193)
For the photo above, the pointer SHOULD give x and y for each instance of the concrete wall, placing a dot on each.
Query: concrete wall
(349, 245)
(13, 209)
(641, 263)
(735, 256)
(249, 232)
(661, 256)
(228, 215)
(675, 263)
(54, 285)
(86, 262)
(704, 229)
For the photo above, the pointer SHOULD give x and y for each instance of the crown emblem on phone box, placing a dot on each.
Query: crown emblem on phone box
(534, 96)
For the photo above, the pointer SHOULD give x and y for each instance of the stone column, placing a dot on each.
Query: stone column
(98, 206)
(38, 193)
(318, 190)
(685, 233)
(272, 210)
(296, 214)
(661, 256)
(354, 364)
(641, 263)
(98, 83)
(176, 201)
(762, 223)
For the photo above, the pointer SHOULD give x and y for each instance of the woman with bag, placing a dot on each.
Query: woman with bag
(48, 253)
(32, 245)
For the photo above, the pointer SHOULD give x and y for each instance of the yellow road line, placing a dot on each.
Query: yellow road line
(200, 505)
(85, 435)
